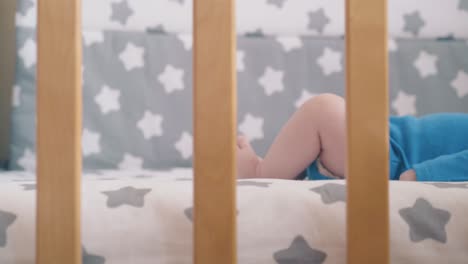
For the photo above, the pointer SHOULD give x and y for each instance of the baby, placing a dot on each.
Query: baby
(430, 148)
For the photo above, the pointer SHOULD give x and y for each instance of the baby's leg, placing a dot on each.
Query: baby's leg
(317, 128)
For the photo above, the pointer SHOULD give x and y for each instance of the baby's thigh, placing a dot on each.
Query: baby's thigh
(332, 132)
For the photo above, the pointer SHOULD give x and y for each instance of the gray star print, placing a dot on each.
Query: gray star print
(278, 3)
(449, 37)
(299, 252)
(24, 6)
(144, 176)
(255, 34)
(107, 179)
(121, 12)
(92, 259)
(6, 219)
(23, 180)
(179, 1)
(254, 184)
(156, 30)
(413, 23)
(184, 179)
(444, 185)
(463, 5)
(318, 20)
(189, 213)
(127, 195)
(331, 192)
(425, 221)
(29, 186)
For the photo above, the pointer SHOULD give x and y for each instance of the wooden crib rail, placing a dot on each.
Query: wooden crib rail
(58, 132)
(215, 129)
(367, 125)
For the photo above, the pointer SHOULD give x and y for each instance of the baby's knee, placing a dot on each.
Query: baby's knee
(324, 103)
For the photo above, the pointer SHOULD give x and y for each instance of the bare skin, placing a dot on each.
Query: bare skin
(316, 129)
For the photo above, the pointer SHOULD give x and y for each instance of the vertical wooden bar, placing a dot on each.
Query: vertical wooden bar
(214, 132)
(59, 132)
(367, 125)
(7, 69)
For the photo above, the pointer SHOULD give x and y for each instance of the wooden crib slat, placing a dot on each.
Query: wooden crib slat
(367, 125)
(214, 132)
(58, 132)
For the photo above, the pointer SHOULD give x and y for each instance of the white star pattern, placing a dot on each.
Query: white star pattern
(289, 43)
(16, 96)
(108, 99)
(272, 81)
(132, 57)
(460, 84)
(172, 79)
(404, 104)
(185, 145)
(426, 64)
(187, 40)
(91, 37)
(27, 20)
(330, 61)
(252, 127)
(90, 143)
(28, 160)
(392, 45)
(240, 55)
(150, 125)
(131, 162)
(28, 53)
(304, 97)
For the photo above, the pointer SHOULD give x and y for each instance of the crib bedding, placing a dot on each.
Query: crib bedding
(137, 72)
(137, 90)
(142, 216)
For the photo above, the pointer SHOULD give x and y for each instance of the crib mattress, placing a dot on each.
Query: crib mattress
(146, 217)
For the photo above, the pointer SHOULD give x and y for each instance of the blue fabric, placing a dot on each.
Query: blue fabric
(435, 146)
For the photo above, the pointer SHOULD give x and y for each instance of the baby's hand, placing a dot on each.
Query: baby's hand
(247, 160)
(409, 175)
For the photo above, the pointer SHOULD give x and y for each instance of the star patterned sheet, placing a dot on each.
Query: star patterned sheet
(146, 217)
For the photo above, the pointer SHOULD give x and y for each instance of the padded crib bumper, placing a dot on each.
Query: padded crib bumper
(417, 18)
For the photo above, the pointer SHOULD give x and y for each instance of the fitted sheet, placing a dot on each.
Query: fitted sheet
(141, 216)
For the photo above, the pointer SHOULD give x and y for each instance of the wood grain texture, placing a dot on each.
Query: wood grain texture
(367, 128)
(7, 72)
(59, 132)
(214, 132)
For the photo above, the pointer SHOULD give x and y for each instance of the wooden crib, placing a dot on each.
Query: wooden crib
(59, 125)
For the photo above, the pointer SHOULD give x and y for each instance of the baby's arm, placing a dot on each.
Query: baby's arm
(452, 167)
(316, 128)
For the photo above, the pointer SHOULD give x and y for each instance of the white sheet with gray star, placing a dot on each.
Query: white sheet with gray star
(278, 221)
(126, 196)
(299, 252)
(331, 193)
(425, 221)
(6, 220)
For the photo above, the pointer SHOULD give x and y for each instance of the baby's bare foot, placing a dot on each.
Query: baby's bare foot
(247, 160)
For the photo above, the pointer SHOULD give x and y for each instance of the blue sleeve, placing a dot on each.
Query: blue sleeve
(452, 167)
